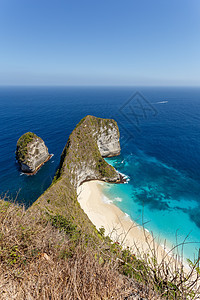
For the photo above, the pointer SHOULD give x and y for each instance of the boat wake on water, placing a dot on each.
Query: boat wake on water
(160, 102)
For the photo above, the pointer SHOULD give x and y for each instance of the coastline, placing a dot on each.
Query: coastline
(39, 167)
(118, 225)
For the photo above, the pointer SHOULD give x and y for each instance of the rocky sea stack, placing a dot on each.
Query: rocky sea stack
(31, 153)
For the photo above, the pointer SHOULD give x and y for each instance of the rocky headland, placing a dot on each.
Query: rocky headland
(82, 160)
(53, 250)
(31, 153)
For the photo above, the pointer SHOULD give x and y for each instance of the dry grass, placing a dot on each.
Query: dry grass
(41, 259)
(37, 261)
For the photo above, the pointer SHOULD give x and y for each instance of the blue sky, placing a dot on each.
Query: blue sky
(107, 42)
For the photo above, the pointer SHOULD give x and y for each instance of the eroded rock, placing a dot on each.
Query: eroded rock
(31, 152)
(82, 158)
(108, 139)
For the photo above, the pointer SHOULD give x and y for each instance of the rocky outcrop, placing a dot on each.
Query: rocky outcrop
(31, 153)
(82, 158)
(108, 138)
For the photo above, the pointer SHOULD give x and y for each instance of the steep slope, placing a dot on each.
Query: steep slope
(82, 158)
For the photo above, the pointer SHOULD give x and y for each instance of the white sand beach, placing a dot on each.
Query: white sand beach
(116, 223)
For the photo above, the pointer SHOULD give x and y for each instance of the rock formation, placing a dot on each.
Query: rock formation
(82, 159)
(107, 137)
(31, 152)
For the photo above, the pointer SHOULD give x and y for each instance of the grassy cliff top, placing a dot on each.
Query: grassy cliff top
(25, 139)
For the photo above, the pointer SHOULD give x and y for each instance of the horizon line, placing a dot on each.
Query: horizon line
(98, 85)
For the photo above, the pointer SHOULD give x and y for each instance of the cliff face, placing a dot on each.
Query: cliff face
(108, 139)
(82, 159)
(31, 152)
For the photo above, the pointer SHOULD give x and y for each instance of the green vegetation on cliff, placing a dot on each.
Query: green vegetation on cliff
(22, 145)
(82, 152)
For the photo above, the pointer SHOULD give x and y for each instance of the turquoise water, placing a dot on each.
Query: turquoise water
(157, 197)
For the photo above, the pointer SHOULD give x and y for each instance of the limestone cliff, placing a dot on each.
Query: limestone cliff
(82, 159)
(107, 136)
(31, 152)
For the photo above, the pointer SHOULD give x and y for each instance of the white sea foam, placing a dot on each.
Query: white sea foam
(101, 183)
(126, 216)
(127, 180)
(106, 200)
(124, 176)
(118, 199)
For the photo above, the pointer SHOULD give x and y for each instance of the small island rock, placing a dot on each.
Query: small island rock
(31, 153)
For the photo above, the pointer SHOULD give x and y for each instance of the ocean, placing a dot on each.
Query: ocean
(160, 141)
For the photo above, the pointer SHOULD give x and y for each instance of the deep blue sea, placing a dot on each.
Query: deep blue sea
(160, 138)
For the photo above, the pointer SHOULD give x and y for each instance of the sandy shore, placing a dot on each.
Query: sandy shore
(116, 223)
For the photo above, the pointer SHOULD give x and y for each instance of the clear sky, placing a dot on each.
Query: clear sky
(93, 42)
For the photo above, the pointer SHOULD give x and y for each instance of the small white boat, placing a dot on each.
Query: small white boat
(162, 102)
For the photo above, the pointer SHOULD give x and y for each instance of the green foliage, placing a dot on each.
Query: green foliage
(194, 265)
(22, 145)
(67, 253)
(102, 231)
(67, 226)
(14, 255)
